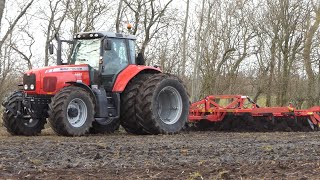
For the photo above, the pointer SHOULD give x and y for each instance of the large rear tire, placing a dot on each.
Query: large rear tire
(71, 112)
(162, 104)
(20, 125)
(128, 118)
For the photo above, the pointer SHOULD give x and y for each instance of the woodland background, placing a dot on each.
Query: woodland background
(266, 49)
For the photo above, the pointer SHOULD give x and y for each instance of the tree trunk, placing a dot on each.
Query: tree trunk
(119, 14)
(2, 6)
(271, 71)
(184, 41)
(307, 61)
(195, 80)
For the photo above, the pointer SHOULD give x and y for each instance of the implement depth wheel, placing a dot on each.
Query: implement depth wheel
(20, 125)
(162, 105)
(71, 112)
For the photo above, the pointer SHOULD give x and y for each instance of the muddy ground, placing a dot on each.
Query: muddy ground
(190, 155)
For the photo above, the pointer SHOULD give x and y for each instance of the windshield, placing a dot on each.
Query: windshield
(87, 51)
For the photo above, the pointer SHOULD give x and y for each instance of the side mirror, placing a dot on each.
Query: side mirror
(50, 48)
(107, 44)
(140, 59)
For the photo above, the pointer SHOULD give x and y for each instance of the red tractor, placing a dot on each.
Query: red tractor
(102, 86)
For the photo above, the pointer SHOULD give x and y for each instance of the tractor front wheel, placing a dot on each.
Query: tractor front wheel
(71, 112)
(21, 124)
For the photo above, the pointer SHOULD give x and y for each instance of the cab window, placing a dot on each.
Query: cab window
(115, 59)
(87, 52)
(132, 51)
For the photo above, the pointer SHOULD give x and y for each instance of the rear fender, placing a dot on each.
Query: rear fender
(130, 72)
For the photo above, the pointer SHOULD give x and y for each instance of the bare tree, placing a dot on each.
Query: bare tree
(27, 56)
(2, 6)
(222, 44)
(309, 36)
(85, 14)
(58, 12)
(195, 80)
(9, 66)
(14, 23)
(151, 15)
(10, 44)
(184, 40)
(280, 39)
(119, 16)
(289, 15)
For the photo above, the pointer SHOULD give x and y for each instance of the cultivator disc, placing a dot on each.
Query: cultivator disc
(240, 113)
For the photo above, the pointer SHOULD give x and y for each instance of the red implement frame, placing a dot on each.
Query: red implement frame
(210, 109)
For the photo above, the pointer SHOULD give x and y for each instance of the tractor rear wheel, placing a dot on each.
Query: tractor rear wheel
(162, 104)
(71, 112)
(23, 124)
(128, 118)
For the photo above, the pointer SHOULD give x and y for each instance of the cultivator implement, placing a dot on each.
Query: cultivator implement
(240, 113)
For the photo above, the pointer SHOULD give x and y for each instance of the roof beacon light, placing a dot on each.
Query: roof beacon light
(129, 26)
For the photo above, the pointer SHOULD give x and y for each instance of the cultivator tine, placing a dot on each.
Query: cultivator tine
(310, 124)
(273, 120)
(240, 113)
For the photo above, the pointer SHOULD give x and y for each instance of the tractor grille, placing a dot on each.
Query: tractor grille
(49, 84)
(29, 82)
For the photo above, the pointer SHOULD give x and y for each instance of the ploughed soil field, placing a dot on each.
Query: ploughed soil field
(189, 155)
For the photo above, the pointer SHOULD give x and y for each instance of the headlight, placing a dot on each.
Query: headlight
(25, 87)
(32, 87)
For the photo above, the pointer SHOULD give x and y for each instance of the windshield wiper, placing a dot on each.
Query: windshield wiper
(82, 60)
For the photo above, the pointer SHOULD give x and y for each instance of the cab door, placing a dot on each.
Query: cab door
(114, 61)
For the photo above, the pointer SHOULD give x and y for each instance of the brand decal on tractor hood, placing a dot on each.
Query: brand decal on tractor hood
(65, 69)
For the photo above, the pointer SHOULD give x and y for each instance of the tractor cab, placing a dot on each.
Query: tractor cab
(106, 53)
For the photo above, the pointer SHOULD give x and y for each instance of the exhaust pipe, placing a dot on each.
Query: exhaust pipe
(59, 61)
(59, 48)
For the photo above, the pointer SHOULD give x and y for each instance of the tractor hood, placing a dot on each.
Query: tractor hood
(62, 68)
(48, 80)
